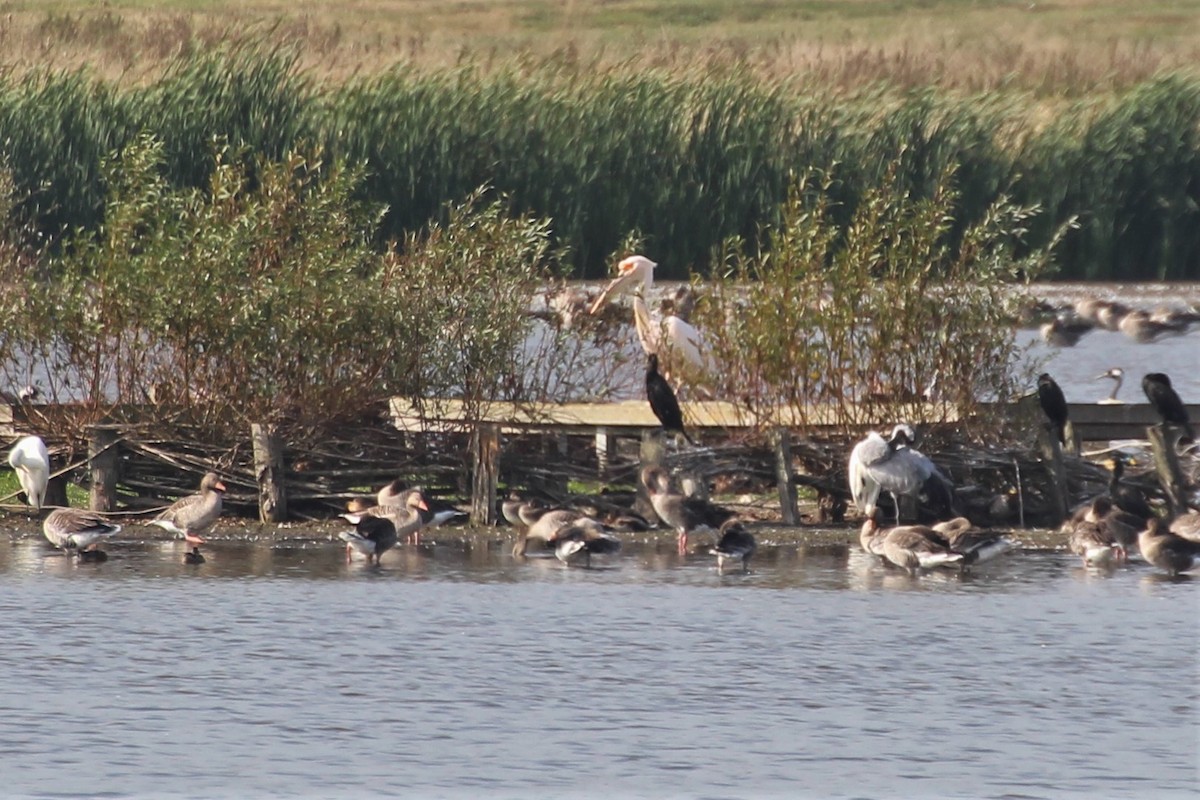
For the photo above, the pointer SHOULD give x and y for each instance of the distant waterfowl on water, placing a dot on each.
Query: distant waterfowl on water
(1167, 403)
(1167, 550)
(735, 543)
(1054, 406)
(686, 515)
(581, 540)
(372, 536)
(195, 514)
(662, 400)
(30, 459)
(1065, 330)
(78, 530)
(889, 465)
(1139, 326)
(1117, 376)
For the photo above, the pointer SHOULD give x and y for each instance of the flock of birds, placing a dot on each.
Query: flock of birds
(1101, 531)
(1071, 323)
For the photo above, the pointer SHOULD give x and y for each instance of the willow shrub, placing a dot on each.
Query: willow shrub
(265, 300)
(864, 322)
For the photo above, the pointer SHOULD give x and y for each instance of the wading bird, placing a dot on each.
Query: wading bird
(685, 514)
(31, 461)
(678, 344)
(1166, 402)
(662, 399)
(194, 514)
(1054, 406)
(889, 465)
(79, 531)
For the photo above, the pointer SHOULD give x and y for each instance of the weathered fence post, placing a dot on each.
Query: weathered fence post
(485, 455)
(650, 454)
(604, 452)
(268, 473)
(103, 464)
(1052, 454)
(1166, 464)
(783, 475)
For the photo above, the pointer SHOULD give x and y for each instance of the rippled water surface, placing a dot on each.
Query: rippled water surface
(457, 671)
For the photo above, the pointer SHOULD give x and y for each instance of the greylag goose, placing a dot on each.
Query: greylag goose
(78, 530)
(1187, 525)
(735, 543)
(877, 465)
(975, 544)
(542, 523)
(194, 514)
(917, 547)
(31, 461)
(685, 515)
(1091, 543)
(372, 536)
(406, 519)
(581, 539)
(1167, 550)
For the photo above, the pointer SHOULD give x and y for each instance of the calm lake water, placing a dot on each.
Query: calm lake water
(456, 671)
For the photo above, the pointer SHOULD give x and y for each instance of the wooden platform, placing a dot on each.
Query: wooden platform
(1093, 421)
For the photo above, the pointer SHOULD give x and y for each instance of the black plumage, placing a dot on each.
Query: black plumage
(1166, 402)
(663, 401)
(1054, 405)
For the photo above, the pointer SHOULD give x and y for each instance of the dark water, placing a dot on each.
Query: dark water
(456, 671)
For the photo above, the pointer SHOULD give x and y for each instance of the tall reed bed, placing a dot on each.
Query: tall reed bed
(686, 158)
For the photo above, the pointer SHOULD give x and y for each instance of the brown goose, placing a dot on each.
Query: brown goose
(916, 547)
(1187, 526)
(1166, 550)
(194, 514)
(735, 543)
(372, 536)
(406, 519)
(1119, 526)
(542, 523)
(685, 514)
(975, 544)
(871, 538)
(78, 530)
(1091, 543)
(579, 540)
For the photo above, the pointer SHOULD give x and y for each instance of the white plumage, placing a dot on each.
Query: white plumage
(678, 344)
(889, 465)
(31, 461)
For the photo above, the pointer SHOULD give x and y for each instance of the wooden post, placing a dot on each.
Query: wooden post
(783, 475)
(485, 454)
(649, 455)
(1052, 454)
(1166, 464)
(604, 452)
(103, 464)
(268, 473)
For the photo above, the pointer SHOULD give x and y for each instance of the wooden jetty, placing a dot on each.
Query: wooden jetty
(484, 425)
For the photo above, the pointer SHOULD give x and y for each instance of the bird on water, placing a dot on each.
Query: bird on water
(663, 402)
(1166, 402)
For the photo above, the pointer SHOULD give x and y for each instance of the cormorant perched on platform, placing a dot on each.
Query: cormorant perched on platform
(1054, 405)
(1166, 402)
(662, 400)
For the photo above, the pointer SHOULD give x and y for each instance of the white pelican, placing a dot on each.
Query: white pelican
(677, 344)
(31, 461)
(889, 465)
